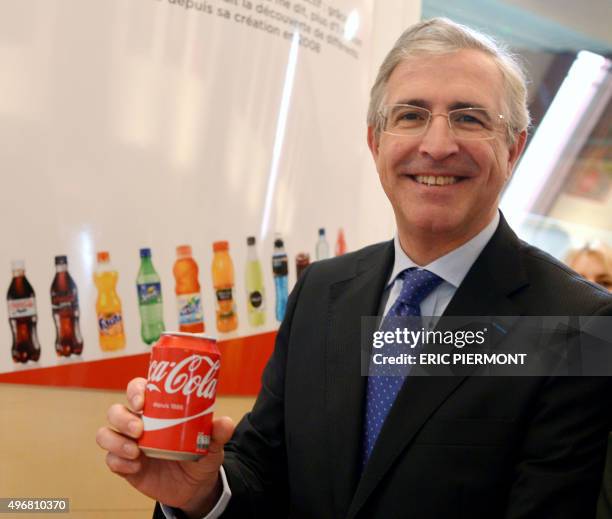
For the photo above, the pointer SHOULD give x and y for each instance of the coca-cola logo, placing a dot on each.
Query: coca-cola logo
(185, 377)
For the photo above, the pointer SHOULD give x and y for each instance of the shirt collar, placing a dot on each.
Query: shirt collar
(453, 266)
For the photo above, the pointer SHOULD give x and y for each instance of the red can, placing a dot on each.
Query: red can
(180, 396)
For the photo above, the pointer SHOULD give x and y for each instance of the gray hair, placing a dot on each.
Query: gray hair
(442, 36)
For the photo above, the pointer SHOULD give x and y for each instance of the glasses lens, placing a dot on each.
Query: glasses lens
(472, 123)
(406, 119)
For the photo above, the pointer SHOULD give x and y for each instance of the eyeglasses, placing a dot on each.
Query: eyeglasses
(464, 123)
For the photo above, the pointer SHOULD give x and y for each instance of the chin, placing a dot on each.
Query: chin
(433, 220)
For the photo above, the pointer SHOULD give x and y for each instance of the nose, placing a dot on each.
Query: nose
(438, 141)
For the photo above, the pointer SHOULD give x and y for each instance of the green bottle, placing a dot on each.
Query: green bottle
(255, 286)
(150, 304)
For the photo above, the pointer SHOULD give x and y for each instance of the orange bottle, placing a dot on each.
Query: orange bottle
(340, 243)
(187, 289)
(223, 281)
(108, 305)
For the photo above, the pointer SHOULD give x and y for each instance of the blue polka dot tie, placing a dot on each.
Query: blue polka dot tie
(382, 390)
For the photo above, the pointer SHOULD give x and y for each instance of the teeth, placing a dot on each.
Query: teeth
(435, 180)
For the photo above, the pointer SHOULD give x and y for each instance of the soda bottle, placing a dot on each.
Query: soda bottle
(187, 289)
(108, 305)
(280, 269)
(223, 282)
(65, 308)
(340, 243)
(302, 260)
(21, 302)
(322, 245)
(254, 286)
(150, 303)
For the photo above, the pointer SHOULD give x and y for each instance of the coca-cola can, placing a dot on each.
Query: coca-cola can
(180, 396)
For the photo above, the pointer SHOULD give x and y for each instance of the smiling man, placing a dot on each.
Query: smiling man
(446, 125)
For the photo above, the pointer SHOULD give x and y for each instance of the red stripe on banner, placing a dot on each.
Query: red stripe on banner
(242, 362)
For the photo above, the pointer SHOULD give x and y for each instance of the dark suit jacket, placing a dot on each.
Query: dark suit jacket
(512, 447)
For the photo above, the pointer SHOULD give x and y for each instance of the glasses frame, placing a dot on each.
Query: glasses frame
(497, 121)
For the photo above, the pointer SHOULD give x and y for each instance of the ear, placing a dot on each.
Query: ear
(516, 150)
(373, 142)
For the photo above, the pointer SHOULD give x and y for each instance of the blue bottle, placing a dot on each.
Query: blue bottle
(280, 269)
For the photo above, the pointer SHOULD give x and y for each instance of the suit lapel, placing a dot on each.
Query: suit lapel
(350, 299)
(495, 275)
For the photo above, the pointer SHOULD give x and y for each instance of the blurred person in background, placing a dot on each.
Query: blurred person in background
(593, 262)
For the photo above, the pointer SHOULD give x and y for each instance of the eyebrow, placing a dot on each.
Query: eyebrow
(426, 104)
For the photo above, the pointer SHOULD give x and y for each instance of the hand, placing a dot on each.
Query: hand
(192, 486)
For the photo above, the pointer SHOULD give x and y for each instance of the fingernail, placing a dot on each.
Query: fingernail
(137, 401)
(130, 449)
(134, 427)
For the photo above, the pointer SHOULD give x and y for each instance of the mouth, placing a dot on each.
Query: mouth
(435, 180)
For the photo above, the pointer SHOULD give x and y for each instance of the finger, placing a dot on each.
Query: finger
(135, 394)
(122, 466)
(126, 422)
(117, 444)
(222, 431)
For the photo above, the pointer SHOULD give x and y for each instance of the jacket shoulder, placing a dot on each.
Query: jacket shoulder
(564, 290)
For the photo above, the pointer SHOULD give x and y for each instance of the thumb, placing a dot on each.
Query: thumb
(222, 430)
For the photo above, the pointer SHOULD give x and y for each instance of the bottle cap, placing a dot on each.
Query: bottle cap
(251, 240)
(61, 260)
(103, 257)
(278, 243)
(321, 231)
(183, 251)
(145, 253)
(220, 245)
(18, 265)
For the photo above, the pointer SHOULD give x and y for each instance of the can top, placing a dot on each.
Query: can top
(220, 245)
(183, 251)
(61, 260)
(251, 240)
(145, 252)
(103, 257)
(197, 341)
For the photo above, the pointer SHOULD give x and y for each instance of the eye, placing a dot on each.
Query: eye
(469, 119)
(407, 116)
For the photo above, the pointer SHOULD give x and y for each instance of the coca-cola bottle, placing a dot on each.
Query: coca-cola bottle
(22, 316)
(65, 307)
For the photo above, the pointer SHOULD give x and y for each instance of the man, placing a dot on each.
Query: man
(446, 125)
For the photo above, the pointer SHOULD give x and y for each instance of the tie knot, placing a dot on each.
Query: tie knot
(417, 285)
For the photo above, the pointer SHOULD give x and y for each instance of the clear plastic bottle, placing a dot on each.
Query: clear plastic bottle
(22, 315)
(280, 269)
(150, 302)
(65, 309)
(223, 281)
(108, 305)
(254, 286)
(322, 245)
(187, 289)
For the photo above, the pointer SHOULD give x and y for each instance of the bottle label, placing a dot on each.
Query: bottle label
(64, 302)
(255, 298)
(190, 308)
(110, 324)
(224, 294)
(25, 307)
(279, 265)
(149, 294)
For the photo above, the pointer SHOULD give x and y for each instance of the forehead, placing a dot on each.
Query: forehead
(589, 261)
(466, 76)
